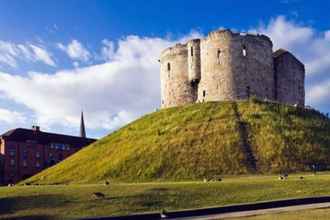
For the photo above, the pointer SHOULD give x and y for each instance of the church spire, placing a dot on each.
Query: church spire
(82, 126)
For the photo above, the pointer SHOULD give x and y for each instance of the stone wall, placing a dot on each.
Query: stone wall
(289, 78)
(252, 66)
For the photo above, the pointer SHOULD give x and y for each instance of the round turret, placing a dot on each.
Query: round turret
(217, 82)
(194, 60)
(175, 86)
(235, 66)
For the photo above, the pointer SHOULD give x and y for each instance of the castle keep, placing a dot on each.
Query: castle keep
(230, 66)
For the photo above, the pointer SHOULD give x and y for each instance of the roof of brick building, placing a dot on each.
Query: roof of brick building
(25, 135)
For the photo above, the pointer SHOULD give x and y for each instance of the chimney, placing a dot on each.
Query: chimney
(35, 128)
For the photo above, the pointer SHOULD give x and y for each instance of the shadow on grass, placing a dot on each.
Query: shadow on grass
(150, 199)
(11, 205)
(32, 217)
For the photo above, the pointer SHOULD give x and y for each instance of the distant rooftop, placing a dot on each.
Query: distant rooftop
(34, 134)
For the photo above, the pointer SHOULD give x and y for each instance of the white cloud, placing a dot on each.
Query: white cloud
(75, 50)
(327, 35)
(111, 94)
(319, 93)
(311, 47)
(127, 85)
(192, 35)
(76, 64)
(108, 50)
(11, 54)
(11, 117)
(8, 53)
(286, 34)
(42, 55)
(305, 42)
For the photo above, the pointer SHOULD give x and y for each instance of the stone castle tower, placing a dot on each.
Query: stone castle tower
(230, 66)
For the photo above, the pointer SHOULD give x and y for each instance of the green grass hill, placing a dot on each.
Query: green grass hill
(200, 141)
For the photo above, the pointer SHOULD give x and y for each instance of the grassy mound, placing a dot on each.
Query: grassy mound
(202, 141)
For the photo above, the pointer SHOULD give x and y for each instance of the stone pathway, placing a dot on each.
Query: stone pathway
(256, 212)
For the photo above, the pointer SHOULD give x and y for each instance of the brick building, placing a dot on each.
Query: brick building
(25, 152)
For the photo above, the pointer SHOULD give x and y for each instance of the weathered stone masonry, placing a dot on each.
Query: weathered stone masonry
(230, 66)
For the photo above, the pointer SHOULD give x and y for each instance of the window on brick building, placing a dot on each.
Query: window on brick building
(168, 67)
(38, 155)
(12, 152)
(37, 164)
(12, 162)
(24, 163)
(25, 154)
(51, 162)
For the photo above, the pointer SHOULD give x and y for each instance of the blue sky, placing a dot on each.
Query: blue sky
(58, 57)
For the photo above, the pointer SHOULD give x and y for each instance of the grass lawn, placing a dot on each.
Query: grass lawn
(74, 201)
(316, 214)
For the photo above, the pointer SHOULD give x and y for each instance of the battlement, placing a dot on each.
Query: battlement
(227, 65)
(174, 50)
(232, 34)
(219, 32)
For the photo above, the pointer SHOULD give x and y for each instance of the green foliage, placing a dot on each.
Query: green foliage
(200, 141)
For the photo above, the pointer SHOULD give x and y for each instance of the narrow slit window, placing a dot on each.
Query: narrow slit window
(168, 67)
(244, 52)
(248, 92)
(204, 93)
(192, 51)
(218, 56)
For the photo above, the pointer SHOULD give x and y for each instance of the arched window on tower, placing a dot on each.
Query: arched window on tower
(244, 51)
